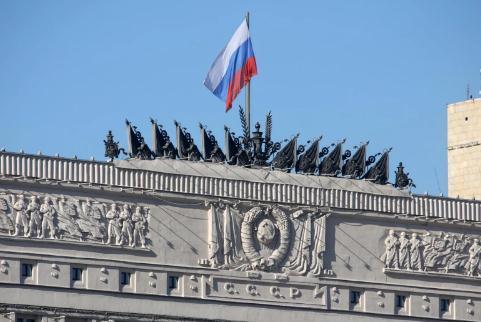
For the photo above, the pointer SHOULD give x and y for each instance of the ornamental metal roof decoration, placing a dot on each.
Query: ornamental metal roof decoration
(309, 161)
(402, 178)
(137, 146)
(258, 150)
(112, 150)
(186, 149)
(210, 148)
(233, 149)
(356, 166)
(163, 146)
(331, 165)
(379, 173)
(286, 158)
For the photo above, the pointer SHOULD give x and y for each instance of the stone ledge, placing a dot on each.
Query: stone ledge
(431, 274)
(22, 239)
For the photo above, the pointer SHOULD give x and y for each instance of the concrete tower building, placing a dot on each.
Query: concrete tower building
(464, 149)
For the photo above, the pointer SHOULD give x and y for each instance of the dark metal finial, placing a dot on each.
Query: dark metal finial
(112, 150)
(402, 178)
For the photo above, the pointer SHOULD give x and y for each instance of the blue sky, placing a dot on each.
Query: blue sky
(363, 70)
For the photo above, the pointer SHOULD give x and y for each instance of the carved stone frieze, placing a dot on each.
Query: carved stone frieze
(71, 219)
(265, 239)
(432, 253)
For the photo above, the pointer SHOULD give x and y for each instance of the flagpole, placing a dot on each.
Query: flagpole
(248, 93)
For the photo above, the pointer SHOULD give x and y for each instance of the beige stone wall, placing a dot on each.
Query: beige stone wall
(464, 149)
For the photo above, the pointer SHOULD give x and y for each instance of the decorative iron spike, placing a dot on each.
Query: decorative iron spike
(112, 150)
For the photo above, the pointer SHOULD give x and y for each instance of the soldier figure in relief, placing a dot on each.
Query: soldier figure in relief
(472, 265)
(114, 224)
(127, 234)
(67, 216)
(391, 259)
(35, 223)
(436, 257)
(48, 212)
(21, 219)
(94, 216)
(415, 251)
(458, 257)
(404, 251)
(427, 243)
(139, 228)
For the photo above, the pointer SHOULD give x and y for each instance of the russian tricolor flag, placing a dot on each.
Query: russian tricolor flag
(233, 68)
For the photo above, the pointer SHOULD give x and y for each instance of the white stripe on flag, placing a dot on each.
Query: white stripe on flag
(221, 63)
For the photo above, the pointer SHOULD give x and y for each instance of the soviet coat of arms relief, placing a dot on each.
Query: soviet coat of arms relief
(265, 238)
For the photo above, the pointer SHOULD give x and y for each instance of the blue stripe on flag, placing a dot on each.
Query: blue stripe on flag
(237, 61)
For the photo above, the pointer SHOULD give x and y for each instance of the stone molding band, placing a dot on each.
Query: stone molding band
(94, 315)
(104, 173)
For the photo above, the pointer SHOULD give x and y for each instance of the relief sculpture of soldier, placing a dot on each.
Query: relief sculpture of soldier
(390, 257)
(21, 219)
(404, 244)
(114, 225)
(67, 220)
(415, 252)
(126, 232)
(437, 257)
(48, 212)
(94, 221)
(427, 244)
(457, 261)
(7, 216)
(472, 266)
(35, 218)
(139, 223)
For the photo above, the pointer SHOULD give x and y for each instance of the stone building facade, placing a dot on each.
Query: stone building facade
(170, 240)
(464, 149)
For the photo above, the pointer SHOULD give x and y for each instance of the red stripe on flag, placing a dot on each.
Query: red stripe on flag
(240, 79)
